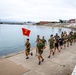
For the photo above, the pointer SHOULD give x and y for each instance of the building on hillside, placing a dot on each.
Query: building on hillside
(43, 22)
(72, 21)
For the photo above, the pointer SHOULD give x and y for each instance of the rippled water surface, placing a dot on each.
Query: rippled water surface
(12, 40)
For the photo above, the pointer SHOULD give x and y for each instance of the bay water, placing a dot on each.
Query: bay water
(12, 39)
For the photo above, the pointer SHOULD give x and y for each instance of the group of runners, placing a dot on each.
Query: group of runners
(55, 43)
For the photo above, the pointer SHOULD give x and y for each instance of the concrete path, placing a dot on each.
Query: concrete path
(7, 67)
(62, 63)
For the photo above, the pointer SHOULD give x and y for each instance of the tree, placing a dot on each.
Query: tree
(61, 21)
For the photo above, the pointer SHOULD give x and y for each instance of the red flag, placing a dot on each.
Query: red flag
(26, 32)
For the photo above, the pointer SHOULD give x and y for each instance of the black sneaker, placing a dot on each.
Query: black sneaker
(53, 53)
(49, 56)
(59, 50)
(39, 63)
(42, 60)
(71, 44)
(27, 57)
(31, 54)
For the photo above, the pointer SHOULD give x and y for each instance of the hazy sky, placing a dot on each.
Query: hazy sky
(37, 10)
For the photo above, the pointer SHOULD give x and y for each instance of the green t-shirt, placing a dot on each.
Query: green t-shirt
(68, 37)
(27, 44)
(51, 41)
(62, 35)
(37, 40)
(56, 36)
(65, 37)
(43, 41)
(40, 46)
(74, 35)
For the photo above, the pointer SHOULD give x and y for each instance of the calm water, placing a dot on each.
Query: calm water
(12, 40)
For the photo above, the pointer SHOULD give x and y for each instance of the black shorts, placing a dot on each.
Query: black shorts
(60, 43)
(64, 42)
(40, 51)
(56, 45)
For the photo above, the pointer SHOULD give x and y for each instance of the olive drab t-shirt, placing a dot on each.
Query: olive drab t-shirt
(74, 35)
(64, 37)
(43, 41)
(68, 37)
(37, 40)
(27, 44)
(56, 37)
(51, 41)
(40, 46)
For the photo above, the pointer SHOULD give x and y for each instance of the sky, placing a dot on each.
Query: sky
(37, 10)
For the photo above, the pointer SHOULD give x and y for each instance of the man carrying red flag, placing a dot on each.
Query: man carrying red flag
(27, 51)
(26, 32)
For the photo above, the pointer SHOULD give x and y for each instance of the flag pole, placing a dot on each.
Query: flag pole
(24, 39)
(24, 42)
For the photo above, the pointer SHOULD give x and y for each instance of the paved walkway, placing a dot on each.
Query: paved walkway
(62, 63)
(7, 67)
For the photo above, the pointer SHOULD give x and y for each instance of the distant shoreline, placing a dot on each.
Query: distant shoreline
(45, 25)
